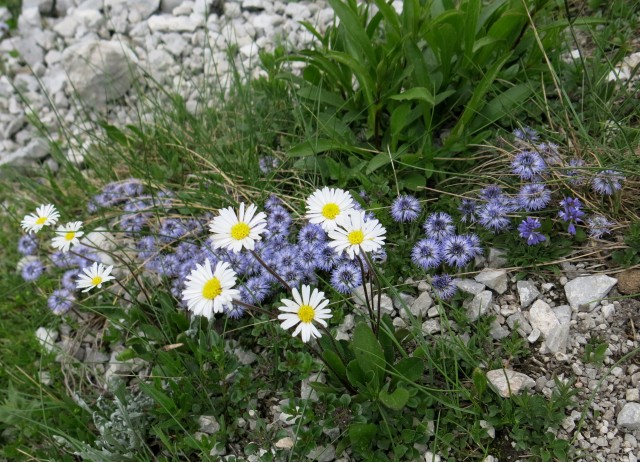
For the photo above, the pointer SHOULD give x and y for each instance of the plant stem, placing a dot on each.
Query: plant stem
(271, 271)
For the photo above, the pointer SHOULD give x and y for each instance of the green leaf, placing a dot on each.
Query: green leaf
(321, 95)
(477, 99)
(313, 147)
(413, 181)
(502, 106)
(355, 375)
(417, 93)
(336, 365)
(380, 160)
(368, 352)
(159, 397)
(479, 381)
(409, 369)
(396, 400)
(352, 26)
(362, 435)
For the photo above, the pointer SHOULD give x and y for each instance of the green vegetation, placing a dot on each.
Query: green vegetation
(388, 102)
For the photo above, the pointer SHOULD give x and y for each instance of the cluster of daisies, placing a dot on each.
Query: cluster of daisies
(227, 263)
(256, 245)
(68, 252)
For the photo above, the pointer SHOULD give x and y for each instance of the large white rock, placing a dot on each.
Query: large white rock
(629, 417)
(479, 305)
(495, 279)
(541, 316)
(168, 23)
(557, 340)
(99, 71)
(588, 290)
(528, 292)
(469, 286)
(47, 337)
(508, 383)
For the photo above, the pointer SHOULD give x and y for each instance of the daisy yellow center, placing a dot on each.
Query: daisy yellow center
(330, 211)
(239, 231)
(96, 280)
(41, 221)
(212, 288)
(306, 313)
(356, 237)
(70, 235)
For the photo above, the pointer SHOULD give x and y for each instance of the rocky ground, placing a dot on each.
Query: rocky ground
(563, 318)
(97, 49)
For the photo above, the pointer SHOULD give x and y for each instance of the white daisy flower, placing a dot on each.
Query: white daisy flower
(209, 292)
(355, 233)
(45, 215)
(94, 276)
(234, 232)
(67, 235)
(303, 311)
(325, 206)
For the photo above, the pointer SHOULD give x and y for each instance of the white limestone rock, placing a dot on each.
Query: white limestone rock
(495, 279)
(629, 417)
(47, 337)
(556, 340)
(528, 292)
(542, 317)
(469, 286)
(99, 71)
(587, 291)
(509, 383)
(479, 305)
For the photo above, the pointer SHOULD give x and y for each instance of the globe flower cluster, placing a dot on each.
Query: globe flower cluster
(533, 163)
(442, 246)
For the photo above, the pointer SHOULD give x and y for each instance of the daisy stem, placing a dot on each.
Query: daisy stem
(379, 289)
(254, 308)
(364, 289)
(271, 271)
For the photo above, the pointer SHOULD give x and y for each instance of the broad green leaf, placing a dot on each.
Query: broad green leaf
(350, 23)
(321, 95)
(413, 181)
(416, 93)
(409, 369)
(396, 400)
(479, 380)
(313, 147)
(471, 15)
(362, 435)
(322, 388)
(380, 160)
(502, 105)
(335, 363)
(476, 102)
(484, 41)
(368, 351)
(159, 397)
(355, 375)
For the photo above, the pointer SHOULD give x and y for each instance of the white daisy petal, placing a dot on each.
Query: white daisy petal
(354, 234)
(235, 231)
(46, 215)
(209, 291)
(326, 206)
(94, 276)
(304, 311)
